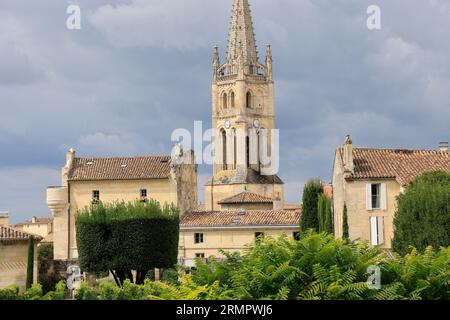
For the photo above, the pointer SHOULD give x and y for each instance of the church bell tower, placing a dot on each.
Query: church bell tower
(242, 113)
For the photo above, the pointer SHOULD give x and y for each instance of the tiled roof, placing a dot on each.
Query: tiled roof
(132, 168)
(292, 207)
(8, 233)
(400, 164)
(250, 177)
(39, 220)
(246, 197)
(249, 218)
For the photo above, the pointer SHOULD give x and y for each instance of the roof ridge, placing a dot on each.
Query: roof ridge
(125, 157)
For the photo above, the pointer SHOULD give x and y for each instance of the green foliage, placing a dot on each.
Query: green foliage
(324, 214)
(423, 214)
(85, 292)
(317, 267)
(33, 293)
(9, 293)
(311, 192)
(30, 262)
(121, 237)
(345, 232)
(46, 278)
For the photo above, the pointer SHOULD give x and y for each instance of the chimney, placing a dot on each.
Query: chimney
(4, 218)
(70, 156)
(349, 166)
(443, 146)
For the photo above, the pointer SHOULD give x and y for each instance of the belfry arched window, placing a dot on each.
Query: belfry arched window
(232, 102)
(249, 100)
(224, 101)
(224, 149)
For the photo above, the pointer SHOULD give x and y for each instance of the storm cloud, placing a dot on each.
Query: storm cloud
(138, 69)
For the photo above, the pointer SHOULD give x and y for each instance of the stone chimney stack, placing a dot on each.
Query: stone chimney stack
(443, 146)
(70, 158)
(4, 218)
(184, 174)
(349, 165)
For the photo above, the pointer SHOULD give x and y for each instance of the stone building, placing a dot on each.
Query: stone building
(14, 257)
(244, 198)
(368, 181)
(42, 226)
(163, 178)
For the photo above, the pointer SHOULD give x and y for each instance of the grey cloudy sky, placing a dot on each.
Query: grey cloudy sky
(139, 69)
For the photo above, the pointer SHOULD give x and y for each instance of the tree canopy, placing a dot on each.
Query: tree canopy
(310, 217)
(121, 237)
(423, 213)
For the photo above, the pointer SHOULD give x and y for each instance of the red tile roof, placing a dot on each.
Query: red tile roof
(8, 233)
(246, 197)
(131, 168)
(39, 220)
(250, 218)
(400, 164)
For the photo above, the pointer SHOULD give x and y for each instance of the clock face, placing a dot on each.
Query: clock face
(256, 123)
(227, 124)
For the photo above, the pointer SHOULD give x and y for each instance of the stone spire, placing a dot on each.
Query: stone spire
(241, 34)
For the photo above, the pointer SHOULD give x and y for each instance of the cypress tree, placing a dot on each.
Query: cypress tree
(345, 234)
(311, 192)
(328, 217)
(321, 212)
(30, 262)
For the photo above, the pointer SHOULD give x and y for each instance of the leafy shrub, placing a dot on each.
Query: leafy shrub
(423, 214)
(33, 293)
(121, 237)
(86, 292)
(9, 293)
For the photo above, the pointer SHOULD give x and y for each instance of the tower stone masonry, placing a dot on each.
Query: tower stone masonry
(243, 115)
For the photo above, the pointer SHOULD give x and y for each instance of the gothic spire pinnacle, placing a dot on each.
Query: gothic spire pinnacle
(241, 34)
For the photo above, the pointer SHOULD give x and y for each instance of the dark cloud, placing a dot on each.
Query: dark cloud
(139, 69)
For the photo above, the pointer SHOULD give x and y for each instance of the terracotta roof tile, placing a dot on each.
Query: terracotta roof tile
(8, 233)
(246, 197)
(131, 168)
(241, 218)
(39, 220)
(400, 164)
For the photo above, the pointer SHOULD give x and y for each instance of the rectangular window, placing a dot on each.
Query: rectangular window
(199, 238)
(377, 230)
(95, 196)
(376, 196)
(143, 195)
(259, 235)
(200, 255)
(296, 235)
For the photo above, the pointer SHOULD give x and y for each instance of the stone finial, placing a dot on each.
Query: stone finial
(348, 140)
(269, 62)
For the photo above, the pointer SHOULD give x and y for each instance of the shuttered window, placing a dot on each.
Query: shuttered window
(376, 230)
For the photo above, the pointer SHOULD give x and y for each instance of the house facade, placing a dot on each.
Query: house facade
(14, 257)
(42, 226)
(368, 182)
(166, 179)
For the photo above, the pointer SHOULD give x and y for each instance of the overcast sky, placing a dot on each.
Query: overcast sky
(139, 69)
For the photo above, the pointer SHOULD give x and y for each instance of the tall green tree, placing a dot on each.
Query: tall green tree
(345, 232)
(310, 220)
(30, 262)
(324, 214)
(423, 213)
